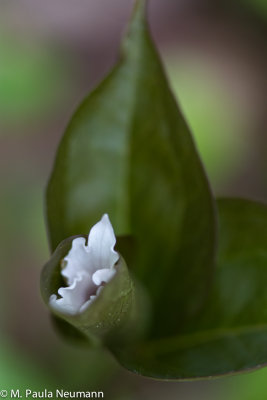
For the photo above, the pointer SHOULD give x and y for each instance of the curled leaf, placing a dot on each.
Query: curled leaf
(111, 310)
(128, 152)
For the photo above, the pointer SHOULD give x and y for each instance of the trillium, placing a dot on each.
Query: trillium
(86, 269)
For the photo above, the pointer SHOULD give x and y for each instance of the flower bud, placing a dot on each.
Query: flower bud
(89, 286)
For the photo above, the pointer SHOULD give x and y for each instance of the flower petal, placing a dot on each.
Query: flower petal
(86, 268)
(76, 261)
(103, 275)
(75, 296)
(101, 242)
(92, 298)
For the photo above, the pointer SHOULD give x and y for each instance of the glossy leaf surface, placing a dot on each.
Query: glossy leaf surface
(128, 152)
(230, 335)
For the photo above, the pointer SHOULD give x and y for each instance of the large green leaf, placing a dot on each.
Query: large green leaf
(129, 152)
(230, 335)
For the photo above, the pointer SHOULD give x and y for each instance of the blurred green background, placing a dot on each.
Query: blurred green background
(51, 54)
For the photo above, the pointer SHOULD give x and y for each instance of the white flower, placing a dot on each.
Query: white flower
(87, 268)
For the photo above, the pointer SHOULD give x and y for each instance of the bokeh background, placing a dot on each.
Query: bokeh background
(51, 54)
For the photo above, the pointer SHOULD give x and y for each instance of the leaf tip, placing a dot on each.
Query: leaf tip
(140, 7)
(139, 13)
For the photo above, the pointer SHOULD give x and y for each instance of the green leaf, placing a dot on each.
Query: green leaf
(230, 335)
(112, 312)
(128, 152)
